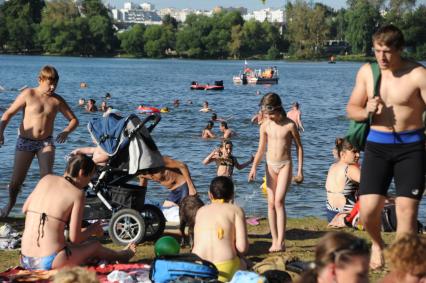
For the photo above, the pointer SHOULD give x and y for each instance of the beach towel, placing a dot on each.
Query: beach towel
(19, 274)
(138, 272)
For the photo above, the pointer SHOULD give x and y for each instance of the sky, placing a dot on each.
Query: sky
(209, 4)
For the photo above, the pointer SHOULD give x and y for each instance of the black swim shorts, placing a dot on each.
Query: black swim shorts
(405, 162)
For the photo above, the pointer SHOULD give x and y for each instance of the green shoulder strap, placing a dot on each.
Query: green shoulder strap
(376, 77)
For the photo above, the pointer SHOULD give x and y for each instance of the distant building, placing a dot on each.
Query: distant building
(269, 15)
(179, 14)
(133, 13)
(334, 46)
(147, 6)
(219, 9)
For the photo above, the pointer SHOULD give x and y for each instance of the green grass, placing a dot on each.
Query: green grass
(301, 237)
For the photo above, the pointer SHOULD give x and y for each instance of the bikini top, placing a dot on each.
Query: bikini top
(45, 217)
(227, 162)
(350, 188)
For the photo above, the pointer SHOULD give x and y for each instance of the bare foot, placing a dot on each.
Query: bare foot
(276, 248)
(128, 252)
(376, 259)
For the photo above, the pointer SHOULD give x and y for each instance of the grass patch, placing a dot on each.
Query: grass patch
(301, 237)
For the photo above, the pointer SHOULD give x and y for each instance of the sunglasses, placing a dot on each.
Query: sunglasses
(359, 246)
(269, 108)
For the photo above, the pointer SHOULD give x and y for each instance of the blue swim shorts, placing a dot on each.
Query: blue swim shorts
(178, 194)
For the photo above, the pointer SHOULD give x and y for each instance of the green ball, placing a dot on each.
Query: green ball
(166, 245)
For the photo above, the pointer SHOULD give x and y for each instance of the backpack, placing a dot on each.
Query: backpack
(389, 218)
(171, 267)
(389, 222)
(358, 130)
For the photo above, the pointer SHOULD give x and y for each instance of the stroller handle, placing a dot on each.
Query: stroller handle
(156, 117)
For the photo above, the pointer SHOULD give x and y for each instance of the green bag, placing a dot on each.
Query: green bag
(358, 131)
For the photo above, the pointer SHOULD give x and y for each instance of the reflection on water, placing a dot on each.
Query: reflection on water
(321, 89)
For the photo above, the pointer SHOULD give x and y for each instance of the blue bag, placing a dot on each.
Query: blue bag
(167, 268)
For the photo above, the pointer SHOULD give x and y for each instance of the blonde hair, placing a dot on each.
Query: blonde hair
(75, 275)
(49, 73)
(407, 254)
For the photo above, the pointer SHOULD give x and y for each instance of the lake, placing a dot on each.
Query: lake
(321, 89)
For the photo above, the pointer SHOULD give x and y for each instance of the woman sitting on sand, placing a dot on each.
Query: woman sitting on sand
(57, 202)
(339, 257)
(343, 179)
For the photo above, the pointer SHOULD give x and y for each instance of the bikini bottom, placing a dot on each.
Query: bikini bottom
(227, 268)
(277, 165)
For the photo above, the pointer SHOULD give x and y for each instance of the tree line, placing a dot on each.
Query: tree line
(61, 27)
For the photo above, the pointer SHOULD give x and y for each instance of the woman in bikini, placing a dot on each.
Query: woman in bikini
(220, 232)
(57, 202)
(277, 133)
(343, 179)
(225, 160)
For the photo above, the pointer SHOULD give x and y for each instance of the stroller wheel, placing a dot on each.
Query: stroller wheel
(154, 222)
(126, 226)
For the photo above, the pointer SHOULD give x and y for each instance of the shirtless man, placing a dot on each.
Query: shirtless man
(220, 230)
(395, 144)
(227, 133)
(295, 115)
(174, 176)
(39, 106)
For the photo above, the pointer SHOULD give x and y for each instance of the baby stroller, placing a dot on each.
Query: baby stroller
(131, 149)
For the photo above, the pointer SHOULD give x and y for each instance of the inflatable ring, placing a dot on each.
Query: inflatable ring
(148, 109)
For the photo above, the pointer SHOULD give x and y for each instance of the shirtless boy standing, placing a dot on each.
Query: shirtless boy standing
(277, 133)
(174, 176)
(40, 106)
(220, 230)
(295, 115)
(395, 144)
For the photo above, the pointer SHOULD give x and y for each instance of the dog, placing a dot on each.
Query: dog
(187, 211)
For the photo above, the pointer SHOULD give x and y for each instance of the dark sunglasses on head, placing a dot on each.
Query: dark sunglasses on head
(269, 108)
(359, 246)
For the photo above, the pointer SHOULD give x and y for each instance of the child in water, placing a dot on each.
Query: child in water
(277, 132)
(225, 160)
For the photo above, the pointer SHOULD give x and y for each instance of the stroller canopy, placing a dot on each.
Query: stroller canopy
(114, 134)
(107, 131)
